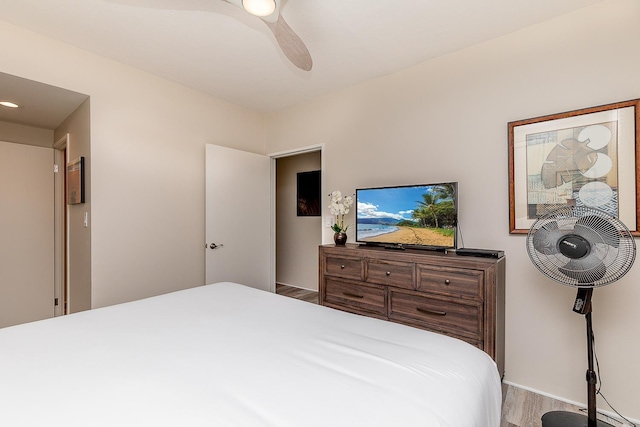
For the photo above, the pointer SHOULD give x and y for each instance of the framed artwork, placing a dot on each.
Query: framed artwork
(75, 181)
(585, 157)
(308, 193)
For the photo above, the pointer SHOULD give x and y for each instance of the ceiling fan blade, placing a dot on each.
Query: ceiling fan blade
(292, 46)
(290, 43)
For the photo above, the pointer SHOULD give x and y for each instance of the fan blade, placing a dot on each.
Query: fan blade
(587, 270)
(598, 229)
(546, 237)
(290, 43)
(292, 46)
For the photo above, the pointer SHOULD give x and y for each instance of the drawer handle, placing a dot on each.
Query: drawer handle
(349, 294)
(388, 273)
(342, 266)
(447, 281)
(427, 311)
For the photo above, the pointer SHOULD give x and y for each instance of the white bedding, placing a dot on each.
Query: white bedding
(229, 355)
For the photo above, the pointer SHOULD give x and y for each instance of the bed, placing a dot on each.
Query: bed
(229, 355)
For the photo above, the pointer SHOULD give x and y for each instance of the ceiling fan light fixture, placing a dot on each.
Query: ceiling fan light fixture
(9, 104)
(259, 7)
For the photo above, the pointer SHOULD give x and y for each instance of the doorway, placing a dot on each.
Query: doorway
(26, 227)
(33, 260)
(59, 113)
(298, 232)
(223, 253)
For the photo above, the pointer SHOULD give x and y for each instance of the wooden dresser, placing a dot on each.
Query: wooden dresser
(460, 296)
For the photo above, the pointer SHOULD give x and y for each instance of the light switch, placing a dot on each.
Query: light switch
(86, 219)
(328, 221)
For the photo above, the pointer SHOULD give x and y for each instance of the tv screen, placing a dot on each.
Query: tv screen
(418, 216)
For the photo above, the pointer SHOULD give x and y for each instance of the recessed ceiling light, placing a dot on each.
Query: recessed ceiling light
(9, 104)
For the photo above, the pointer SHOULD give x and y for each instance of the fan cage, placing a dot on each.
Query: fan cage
(611, 247)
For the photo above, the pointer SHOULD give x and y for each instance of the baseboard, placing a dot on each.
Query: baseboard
(609, 414)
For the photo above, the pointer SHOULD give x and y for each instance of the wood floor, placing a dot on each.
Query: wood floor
(520, 408)
(303, 294)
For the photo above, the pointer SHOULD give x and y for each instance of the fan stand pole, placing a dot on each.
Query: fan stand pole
(592, 378)
(572, 419)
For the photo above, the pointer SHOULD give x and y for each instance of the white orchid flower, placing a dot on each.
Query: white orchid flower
(339, 207)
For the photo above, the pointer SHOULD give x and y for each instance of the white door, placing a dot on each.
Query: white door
(26, 233)
(238, 218)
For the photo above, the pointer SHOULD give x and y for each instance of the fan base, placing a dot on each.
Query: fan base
(568, 419)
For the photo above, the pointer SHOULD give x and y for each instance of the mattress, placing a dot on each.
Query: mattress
(229, 355)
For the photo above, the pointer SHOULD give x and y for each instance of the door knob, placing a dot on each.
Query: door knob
(214, 246)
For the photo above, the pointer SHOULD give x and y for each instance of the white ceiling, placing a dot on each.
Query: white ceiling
(219, 49)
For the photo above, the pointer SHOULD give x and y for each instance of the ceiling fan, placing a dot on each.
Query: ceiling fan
(267, 10)
(290, 43)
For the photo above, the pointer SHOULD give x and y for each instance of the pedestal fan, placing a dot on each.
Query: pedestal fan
(585, 248)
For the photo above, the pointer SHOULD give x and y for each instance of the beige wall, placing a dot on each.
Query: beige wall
(446, 120)
(78, 127)
(297, 237)
(147, 163)
(21, 134)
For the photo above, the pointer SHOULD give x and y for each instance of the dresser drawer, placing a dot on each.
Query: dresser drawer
(465, 283)
(437, 313)
(399, 274)
(369, 298)
(347, 267)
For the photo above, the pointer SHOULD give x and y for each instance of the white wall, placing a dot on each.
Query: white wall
(297, 237)
(147, 163)
(446, 120)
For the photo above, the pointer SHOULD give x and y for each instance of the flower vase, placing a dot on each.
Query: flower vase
(340, 238)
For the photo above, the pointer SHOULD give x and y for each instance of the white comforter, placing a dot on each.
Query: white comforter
(229, 355)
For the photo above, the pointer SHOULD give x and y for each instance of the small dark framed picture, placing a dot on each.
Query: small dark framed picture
(308, 194)
(75, 181)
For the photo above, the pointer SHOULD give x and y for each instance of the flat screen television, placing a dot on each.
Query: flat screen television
(412, 216)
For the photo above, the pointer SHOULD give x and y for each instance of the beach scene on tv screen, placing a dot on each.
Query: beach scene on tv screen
(417, 215)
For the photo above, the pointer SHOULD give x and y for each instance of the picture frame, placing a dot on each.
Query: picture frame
(308, 193)
(586, 157)
(75, 182)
